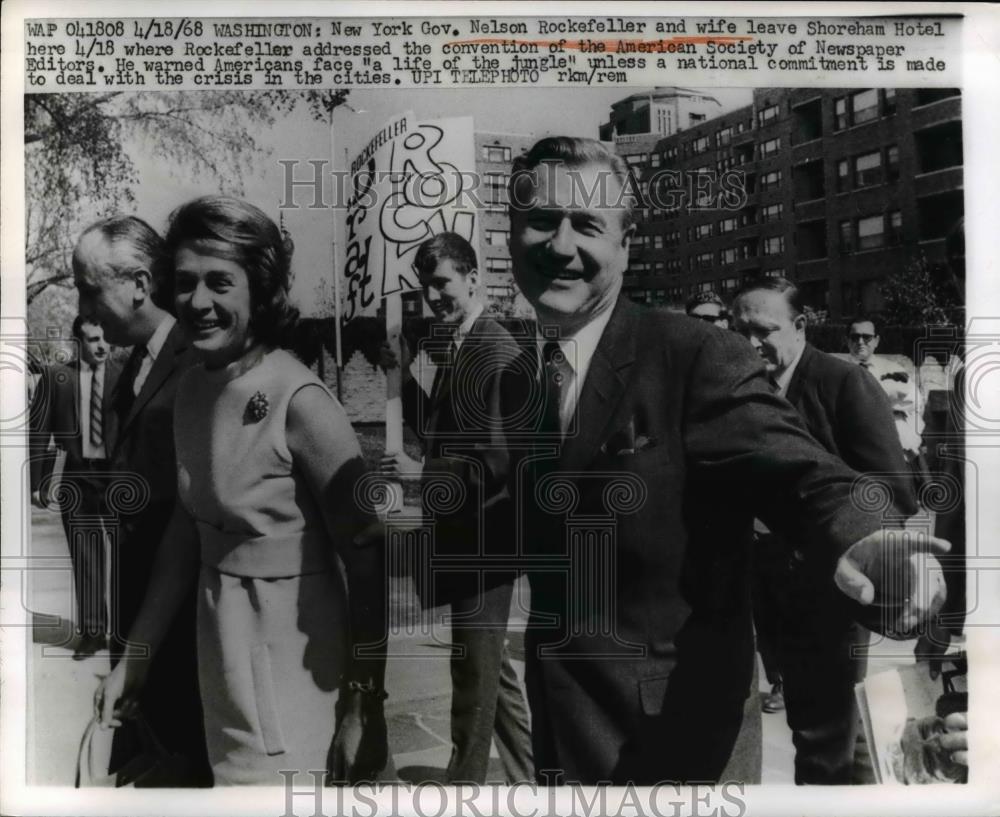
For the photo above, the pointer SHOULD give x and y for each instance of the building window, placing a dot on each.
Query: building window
(496, 153)
(497, 238)
(728, 256)
(654, 159)
(670, 154)
(674, 265)
(768, 114)
(657, 242)
(634, 159)
(704, 286)
(728, 284)
(724, 136)
(846, 236)
(840, 113)
(499, 266)
(895, 227)
(868, 169)
(843, 176)
(864, 106)
(774, 245)
(727, 225)
(775, 272)
(892, 162)
(701, 261)
(889, 101)
(699, 145)
(672, 239)
(871, 232)
(702, 231)
(499, 291)
(771, 212)
(770, 147)
(770, 180)
(496, 188)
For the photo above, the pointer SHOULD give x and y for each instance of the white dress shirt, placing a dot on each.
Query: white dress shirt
(424, 370)
(578, 349)
(785, 377)
(153, 347)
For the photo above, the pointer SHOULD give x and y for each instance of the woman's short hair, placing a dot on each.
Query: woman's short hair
(251, 240)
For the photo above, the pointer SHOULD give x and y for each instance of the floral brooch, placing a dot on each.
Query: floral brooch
(257, 408)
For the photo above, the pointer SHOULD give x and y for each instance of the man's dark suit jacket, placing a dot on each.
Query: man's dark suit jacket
(640, 643)
(461, 430)
(56, 415)
(846, 410)
(145, 448)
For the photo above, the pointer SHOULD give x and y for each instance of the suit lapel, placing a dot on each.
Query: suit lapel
(163, 366)
(443, 382)
(604, 387)
(795, 385)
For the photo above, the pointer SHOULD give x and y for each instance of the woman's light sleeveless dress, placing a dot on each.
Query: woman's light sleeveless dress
(272, 620)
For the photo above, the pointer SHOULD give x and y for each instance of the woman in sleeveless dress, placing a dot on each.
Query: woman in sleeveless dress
(269, 523)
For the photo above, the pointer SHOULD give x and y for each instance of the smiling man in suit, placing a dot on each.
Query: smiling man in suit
(74, 409)
(640, 650)
(117, 267)
(819, 643)
(453, 408)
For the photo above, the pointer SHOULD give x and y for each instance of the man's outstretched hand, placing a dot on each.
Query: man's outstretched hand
(895, 574)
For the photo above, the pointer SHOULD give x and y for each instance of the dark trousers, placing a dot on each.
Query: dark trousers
(821, 659)
(87, 525)
(170, 701)
(486, 698)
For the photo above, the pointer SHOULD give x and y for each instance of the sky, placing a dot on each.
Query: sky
(298, 137)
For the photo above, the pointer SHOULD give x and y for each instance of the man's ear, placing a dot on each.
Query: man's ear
(628, 234)
(473, 278)
(142, 278)
(800, 323)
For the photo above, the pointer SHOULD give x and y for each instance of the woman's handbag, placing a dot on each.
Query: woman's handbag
(153, 767)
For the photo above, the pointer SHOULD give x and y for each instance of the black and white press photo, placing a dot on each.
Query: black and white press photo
(540, 407)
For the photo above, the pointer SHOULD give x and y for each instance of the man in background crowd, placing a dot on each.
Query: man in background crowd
(898, 383)
(708, 306)
(117, 269)
(818, 642)
(74, 408)
(455, 413)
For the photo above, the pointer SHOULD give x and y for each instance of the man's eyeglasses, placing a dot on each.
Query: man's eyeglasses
(858, 336)
(712, 318)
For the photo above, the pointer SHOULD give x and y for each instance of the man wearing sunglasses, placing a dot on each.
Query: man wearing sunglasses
(898, 383)
(708, 307)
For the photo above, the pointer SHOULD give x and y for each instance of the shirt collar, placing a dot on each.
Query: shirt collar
(159, 336)
(786, 376)
(579, 348)
(466, 326)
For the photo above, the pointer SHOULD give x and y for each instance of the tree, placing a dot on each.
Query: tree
(919, 294)
(78, 168)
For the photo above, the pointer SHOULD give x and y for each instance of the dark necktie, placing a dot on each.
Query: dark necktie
(97, 406)
(553, 385)
(126, 385)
